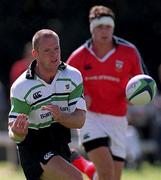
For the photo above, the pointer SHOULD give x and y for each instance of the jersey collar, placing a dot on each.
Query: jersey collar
(88, 43)
(30, 74)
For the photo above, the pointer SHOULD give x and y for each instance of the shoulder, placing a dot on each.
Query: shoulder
(78, 56)
(127, 47)
(124, 43)
(19, 81)
(72, 73)
(78, 52)
(19, 64)
(22, 86)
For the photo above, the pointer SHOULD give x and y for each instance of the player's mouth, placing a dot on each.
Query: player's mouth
(104, 37)
(54, 60)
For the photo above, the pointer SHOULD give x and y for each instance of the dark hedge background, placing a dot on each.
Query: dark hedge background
(138, 21)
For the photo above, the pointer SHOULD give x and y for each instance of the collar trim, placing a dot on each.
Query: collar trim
(30, 74)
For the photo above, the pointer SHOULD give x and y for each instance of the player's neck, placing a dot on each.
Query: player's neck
(101, 49)
(45, 75)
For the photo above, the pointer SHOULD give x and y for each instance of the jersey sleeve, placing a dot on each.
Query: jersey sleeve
(138, 64)
(18, 103)
(76, 59)
(76, 97)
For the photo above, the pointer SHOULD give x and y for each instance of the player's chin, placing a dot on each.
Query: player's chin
(105, 39)
(53, 65)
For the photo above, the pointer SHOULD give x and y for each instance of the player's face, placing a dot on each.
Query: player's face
(102, 33)
(48, 53)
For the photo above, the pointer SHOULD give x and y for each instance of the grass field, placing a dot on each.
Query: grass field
(147, 172)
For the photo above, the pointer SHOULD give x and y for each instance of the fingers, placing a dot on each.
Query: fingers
(21, 120)
(20, 125)
(49, 106)
(52, 108)
(55, 111)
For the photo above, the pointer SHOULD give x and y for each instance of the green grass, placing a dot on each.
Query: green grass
(10, 172)
(146, 172)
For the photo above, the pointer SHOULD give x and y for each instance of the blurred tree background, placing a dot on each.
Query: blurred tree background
(138, 21)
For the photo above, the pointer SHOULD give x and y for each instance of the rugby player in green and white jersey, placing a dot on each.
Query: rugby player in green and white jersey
(46, 101)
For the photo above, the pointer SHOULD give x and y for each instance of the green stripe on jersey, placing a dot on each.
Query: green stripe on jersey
(19, 106)
(77, 92)
(37, 86)
(40, 125)
(48, 101)
(35, 107)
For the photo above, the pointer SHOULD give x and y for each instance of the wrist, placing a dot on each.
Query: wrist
(16, 138)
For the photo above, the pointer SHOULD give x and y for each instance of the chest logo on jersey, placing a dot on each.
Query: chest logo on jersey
(119, 65)
(87, 67)
(67, 86)
(37, 95)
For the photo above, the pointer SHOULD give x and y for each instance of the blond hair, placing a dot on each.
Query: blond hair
(43, 33)
(99, 11)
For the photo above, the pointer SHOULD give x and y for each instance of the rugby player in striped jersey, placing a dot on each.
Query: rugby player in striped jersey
(46, 101)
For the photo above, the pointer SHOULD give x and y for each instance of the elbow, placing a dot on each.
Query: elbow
(81, 124)
(82, 120)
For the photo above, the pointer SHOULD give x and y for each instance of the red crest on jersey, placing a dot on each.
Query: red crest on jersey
(119, 65)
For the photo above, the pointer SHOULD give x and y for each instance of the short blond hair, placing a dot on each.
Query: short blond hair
(43, 33)
(99, 11)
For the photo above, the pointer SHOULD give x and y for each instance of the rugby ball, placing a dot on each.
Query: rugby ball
(141, 89)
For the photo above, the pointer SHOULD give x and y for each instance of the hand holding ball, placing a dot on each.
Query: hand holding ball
(141, 89)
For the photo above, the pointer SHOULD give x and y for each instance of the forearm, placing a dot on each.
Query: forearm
(72, 120)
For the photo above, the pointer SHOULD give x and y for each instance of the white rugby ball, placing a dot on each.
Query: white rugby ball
(141, 89)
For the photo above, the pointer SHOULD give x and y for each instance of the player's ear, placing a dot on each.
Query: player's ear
(34, 53)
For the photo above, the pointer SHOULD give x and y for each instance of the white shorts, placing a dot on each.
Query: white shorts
(114, 127)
